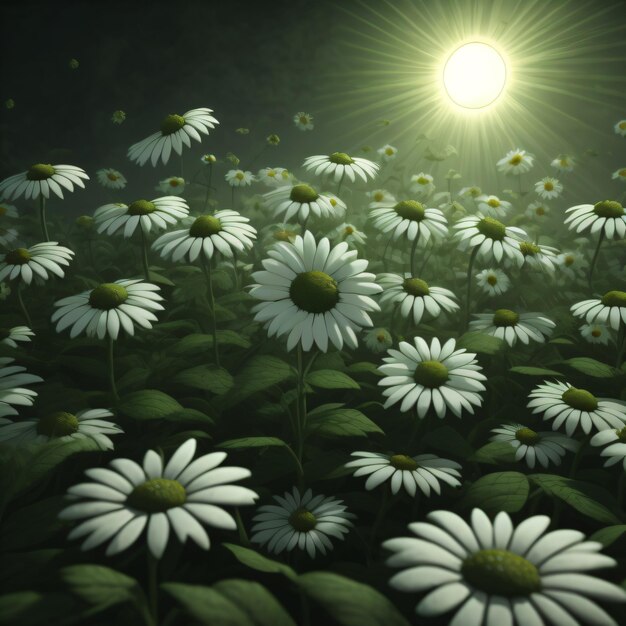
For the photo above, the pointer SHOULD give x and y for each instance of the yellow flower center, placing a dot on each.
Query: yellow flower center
(608, 208)
(410, 210)
(205, 226)
(172, 123)
(59, 424)
(19, 256)
(108, 296)
(548, 185)
(614, 298)
(403, 462)
(157, 495)
(515, 159)
(40, 171)
(527, 436)
(141, 207)
(303, 194)
(492, 279)
(505, 317)
(431, 374)
(492, 229)
(580, 399)
(416, 287)
(302, 520)
(112, 176)
(314, 292)
(341, 158)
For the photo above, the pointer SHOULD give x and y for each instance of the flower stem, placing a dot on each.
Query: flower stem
(153, 600)
(232, 198)
(470, 267)
(208, 189)
(144, 254)
(301, 405)
(42, 217)
(112, 370)
(206, 267)
(413, 248)
(241, 529)
(595, 258)
(340, 182)
(23, 306)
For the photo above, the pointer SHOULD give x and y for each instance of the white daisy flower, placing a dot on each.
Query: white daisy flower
(596, 333)
(492, 206)
(564, 163)
(609, 309)
(339, 206)
(410, 218)
(380, 195)
(185, 495)
(511, 326)
(387, 153)
(274, 176)
(422, 184)
(423, 472)
(148, 214)
(41, 179)
(619, 174)
(378, 340)
(303, 121)
(492, 238)
(8, 210)
(105, 310)
(300, 201)
(339, 164)
(620, 128)
(516, 162)
(7, 236)
(493, 282)
(573, 264)
(607, 216)
(348, 233)
(570, 406)
(435, 375)
(205, 235)
(616, 448)
(176, 130)
(12, 390)
(208, 159)
(110, 178)
(172, 186)
(539, 257)
(494, 574)
(303, 521)
(36, 261)
(239, 178)
(280, 232)
(314, 294)
(414, 297)
(11, 336)
(537, 210)
(531, 446)
(472, 191)
(548, 188)
(64, 426)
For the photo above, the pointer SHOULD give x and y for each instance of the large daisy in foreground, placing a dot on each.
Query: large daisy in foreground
(183, 496)
(41, 179)
(314, 294)
(495, 574)
(340, 164)
(607, 217)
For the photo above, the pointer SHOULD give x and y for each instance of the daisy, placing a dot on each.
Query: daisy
(41, 179)
(36, 261)
(493, 282)
(619, 174)
(539, 257)
(414, 297)
(205, 235)
(380, 195)
(492, 206)
(10, 336)
(303, 521)
(387, 153)
(303, 121)
(348, 233)
(7, 236)
(493, 573)
(274, 176)
(616, 450)
(272, 140)
(435, 375)
(473, 192)
(64, 426)
(410, 218)
(511, 326)
(184, 495)
(378, 340)
(537, 210)
(110, 178)
(281, 232)
(548, 188)
(422, 184)
(609, 309)
(8, 210)
(564, 163)
(571, 406)
(572, 264)
(516, 162)
(104, 310)
(125, 218)
(314, 294)
(596, 333)
(176, 130)
(300, 200)
(172, 186)
(208, 159)
(423, 472)
(12, 391)
(239, 178)
(530, 446)
(620, 128)
(339, 164)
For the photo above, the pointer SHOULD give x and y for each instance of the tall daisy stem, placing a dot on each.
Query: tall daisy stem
(595, 258)
(206, 267)
(241, 529)
(144, 254)
(413, 249)
(301, 404)
(153, 599)
(232, 198)
(23, 306)
(208, 189)
(112, 370)
(42, 218)
(470, 267)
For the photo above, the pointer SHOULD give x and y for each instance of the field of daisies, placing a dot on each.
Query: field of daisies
(344, 393)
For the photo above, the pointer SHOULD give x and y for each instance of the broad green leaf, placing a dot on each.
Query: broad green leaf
(494, 452)
(606, 536)
(258, 562)
(341, 422)
(259, 373)
(591, 367)
(331, 379)
(476, 341)
(534, 371)
(562, 341)
(188, 415)
(159, 279)
(148, 404)
(135, 377)
(500, 491)
(178, 327)
(206, 377)
(198, 342)
(251, 442)
(364, 366)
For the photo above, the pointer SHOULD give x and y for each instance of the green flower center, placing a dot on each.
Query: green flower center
(505, 317)
(303, 520)
(157, 495)
(527, 436)
(59, 424)
(172, 123)
(621, 434)
(501, 573)
(528, 248)
(40, 171)
(493, 229)
(614, 298)
(494, 203)
(205, 226)
(580, 399)
(341, 158)
(314, 292)
(141, 207)
(284, 235)
(107, 296)
(569, 260)
(515, 160)
(540, 211)
(431, 374)
(422, 180)
(608, 208)
(416, 287)
(303, 194)
(85, 221)
(492, 279)
(19, 256)
(403, 462)
(410, 210)
(548, 185)
(475, 191)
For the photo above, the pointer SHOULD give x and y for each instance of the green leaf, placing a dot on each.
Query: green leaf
(534, 371)
(494, 452)
(188, 415)
(591, 367)
(258, 562)
(159, 279)
(251, 442)
(606, 536)
(206, 377)
(582, 496)
(341, 422)
(500, 491)
(331, 379)
(476, 341)
(148, 404)
(31, 608)
(259, 373)
(365, 367)
(561, 341)
(349, 602)
(198, 342)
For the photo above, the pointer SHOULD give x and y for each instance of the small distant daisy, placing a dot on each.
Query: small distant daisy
(539, 257)
(172, 186)
(239, 178)
(7, 236)
(64, 426)
(274, 176)
(537, 210)
(208, 159)
(619, 174)
(492, 206)
(423, 472)
(473, 192)
(410, 218)
(348, 233)
(176, 131)
(380, 195)
(41, 179)
(105, 310)
(608, 216)
(516, 162)
(564, 163)
(110, 178)
(36, 261)
(124, 218)
(422, 184)
(340, 164)
(572, 407)
(13, 379)
(11, 336)
(281, 232)
(378, 340)
(300, 201)
(303, 121)
(205, 235)
(609, 309)
(548, 188)
(493, 282)
(530, 446)
(414, 297)
(439, 376)
(118, 117)
(596, 333)
(572, 264)
(387, 152)
(300, 521)
(616, 448)
(620, 128)
(337, 203)
(8, 210)
(511, 326)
